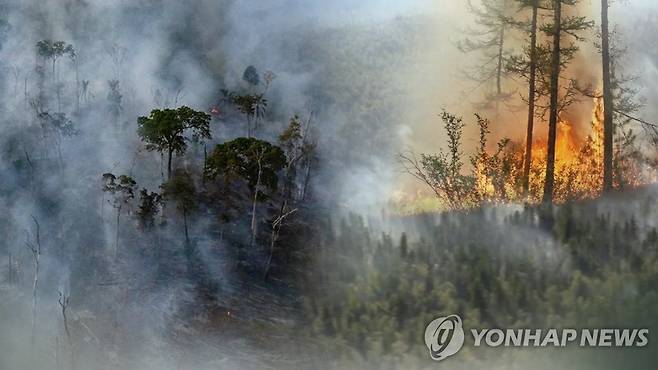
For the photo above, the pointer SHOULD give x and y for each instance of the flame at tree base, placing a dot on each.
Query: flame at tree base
(579, 163)
(578, 170)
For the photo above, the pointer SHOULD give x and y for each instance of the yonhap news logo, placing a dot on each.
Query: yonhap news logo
(445, 336)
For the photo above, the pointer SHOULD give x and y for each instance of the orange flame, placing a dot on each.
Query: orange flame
(578, 169)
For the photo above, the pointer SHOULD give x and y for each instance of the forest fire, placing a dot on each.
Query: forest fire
(215, 111)
(496, 177)
(565, 148)
(254, 184)
(578, 171)
(578, 163)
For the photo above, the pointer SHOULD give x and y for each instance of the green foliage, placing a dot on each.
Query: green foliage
(570, 25)
(291, 137)
(299, 151)
(374, 297)
(251, 76)
(493, 171)
(181, 190)
(250, 104)
(57, 122)
(166, 129)
(519, 64)
(490, 39)
(50, 49)
(149, 207)
(444, 172)
(243, 158)
(122, 188)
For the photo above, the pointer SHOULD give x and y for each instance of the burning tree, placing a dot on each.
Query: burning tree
(527, 66)
(497, 176)
(618, 106)
(608, 126)
(568, 26)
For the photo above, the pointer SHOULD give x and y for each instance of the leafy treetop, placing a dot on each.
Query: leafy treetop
(164, 129)
(243, 158)
(54, 49)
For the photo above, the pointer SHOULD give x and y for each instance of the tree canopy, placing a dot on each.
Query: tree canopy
(241, 158)
(54, 49)
(167, 130)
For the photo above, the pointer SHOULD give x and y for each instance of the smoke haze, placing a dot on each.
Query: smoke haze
(372, 76)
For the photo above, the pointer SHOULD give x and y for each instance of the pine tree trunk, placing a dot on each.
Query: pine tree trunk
(553, 120)
(531, 98)
(188, 249)
(608, 104)
(499, 68)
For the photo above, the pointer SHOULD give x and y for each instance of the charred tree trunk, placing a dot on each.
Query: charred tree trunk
(276, 228)
(248, 125)
(307, 179)
(205, 155)
(531, 98)
(553, 120)
(187, 234)
(169, 155)
(189, 252)
(608, 104)
(273, 239)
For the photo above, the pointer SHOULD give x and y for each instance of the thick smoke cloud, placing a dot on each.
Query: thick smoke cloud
(165, 54)
(373, 74)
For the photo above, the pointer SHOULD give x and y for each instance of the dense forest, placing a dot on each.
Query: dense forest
(296, 185)
(597, 267)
